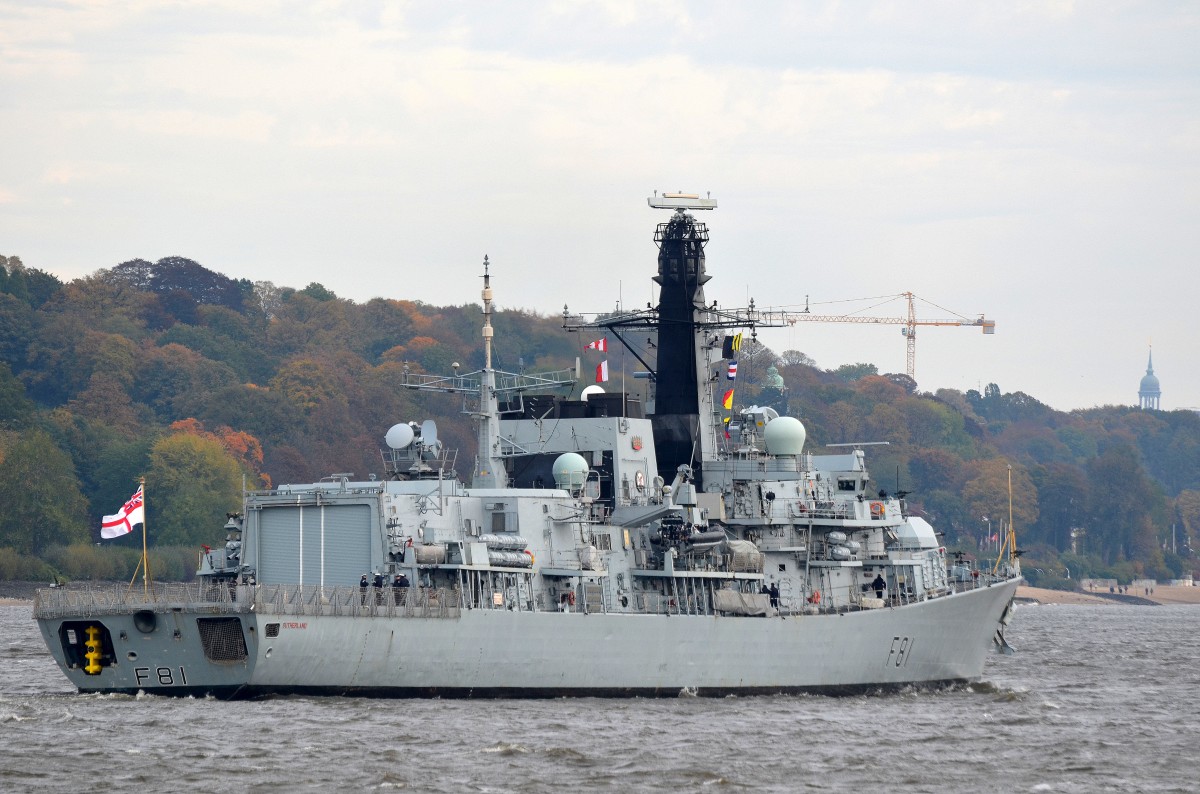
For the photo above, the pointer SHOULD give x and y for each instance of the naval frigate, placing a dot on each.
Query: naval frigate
(600, 546)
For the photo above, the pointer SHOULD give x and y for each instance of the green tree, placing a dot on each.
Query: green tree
(318, 292)
(1121, 508)
(16, 330)
(1062, 501)
(15, 407)
(791, 358)
(852, 372)
(40, 494)
(192, 483)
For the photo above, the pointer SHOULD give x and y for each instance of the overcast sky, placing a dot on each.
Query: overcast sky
(1037, 162)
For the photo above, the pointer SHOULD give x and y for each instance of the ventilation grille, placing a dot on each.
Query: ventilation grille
(222, 639)
(272, 629)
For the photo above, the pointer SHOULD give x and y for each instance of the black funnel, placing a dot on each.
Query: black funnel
(681, 278)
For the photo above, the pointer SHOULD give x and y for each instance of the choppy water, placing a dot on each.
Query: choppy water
(1098, 698)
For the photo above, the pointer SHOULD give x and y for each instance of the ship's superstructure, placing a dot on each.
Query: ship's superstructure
(595, 550)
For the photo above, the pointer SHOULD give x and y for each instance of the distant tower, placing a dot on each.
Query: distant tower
(1149, 392)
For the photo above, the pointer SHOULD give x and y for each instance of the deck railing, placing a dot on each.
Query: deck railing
(87, 600)
(410, 602)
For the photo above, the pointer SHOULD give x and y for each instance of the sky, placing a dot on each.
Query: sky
(1034, 162)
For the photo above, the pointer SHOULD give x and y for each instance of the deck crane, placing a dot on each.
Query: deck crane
(910, 322)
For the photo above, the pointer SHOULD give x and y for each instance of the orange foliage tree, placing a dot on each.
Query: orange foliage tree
(242, 446)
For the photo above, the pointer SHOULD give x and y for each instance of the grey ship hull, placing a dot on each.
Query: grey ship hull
(497, 653)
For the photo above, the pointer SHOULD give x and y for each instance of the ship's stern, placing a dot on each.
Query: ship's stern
(114, 642)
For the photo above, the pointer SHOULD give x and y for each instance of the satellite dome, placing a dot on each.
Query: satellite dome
(399, 436)
(593, 389)
(785, 436)
(570, 471)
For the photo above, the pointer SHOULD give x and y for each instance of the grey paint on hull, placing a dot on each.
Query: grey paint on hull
(485, 653)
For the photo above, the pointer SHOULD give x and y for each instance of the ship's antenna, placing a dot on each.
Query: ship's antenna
(488, 331)
(489, 467)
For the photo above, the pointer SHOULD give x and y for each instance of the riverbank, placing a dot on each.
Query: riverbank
(1165, 594)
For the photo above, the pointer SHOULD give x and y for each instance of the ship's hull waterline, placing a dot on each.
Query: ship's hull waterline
(491, 653)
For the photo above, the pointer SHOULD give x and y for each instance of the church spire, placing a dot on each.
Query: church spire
(1149, 392)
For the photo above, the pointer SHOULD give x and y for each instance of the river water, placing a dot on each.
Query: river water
(1097, 698)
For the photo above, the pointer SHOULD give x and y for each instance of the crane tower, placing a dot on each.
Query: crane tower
(909, 322)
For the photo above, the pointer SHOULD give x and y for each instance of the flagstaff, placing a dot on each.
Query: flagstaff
(122, 522)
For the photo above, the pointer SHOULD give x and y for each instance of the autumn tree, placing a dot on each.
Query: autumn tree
(937, 469)
(177, 382)
(987, 494)
(238, 444)
(306, 383)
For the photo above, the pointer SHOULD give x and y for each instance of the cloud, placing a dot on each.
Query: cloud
(244, 126)
(1033, 161)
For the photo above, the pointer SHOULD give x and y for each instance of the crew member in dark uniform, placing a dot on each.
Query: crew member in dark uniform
(362, 589)
(399, 588)
(774, 593)
(879, 585)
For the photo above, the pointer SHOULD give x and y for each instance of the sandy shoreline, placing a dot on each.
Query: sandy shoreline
(1162, 595)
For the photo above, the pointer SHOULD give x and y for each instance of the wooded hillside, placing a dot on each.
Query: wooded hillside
(195, 380)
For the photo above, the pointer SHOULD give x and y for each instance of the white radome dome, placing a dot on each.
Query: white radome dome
(570, 471)
(399, 436)
(785, 435)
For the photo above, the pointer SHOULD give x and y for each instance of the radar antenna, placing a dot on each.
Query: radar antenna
(487, 386)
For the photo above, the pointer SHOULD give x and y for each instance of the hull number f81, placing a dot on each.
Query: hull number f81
(899, 652)
(160, 676)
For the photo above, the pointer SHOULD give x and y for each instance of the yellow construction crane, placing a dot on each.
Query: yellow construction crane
(910, 322)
